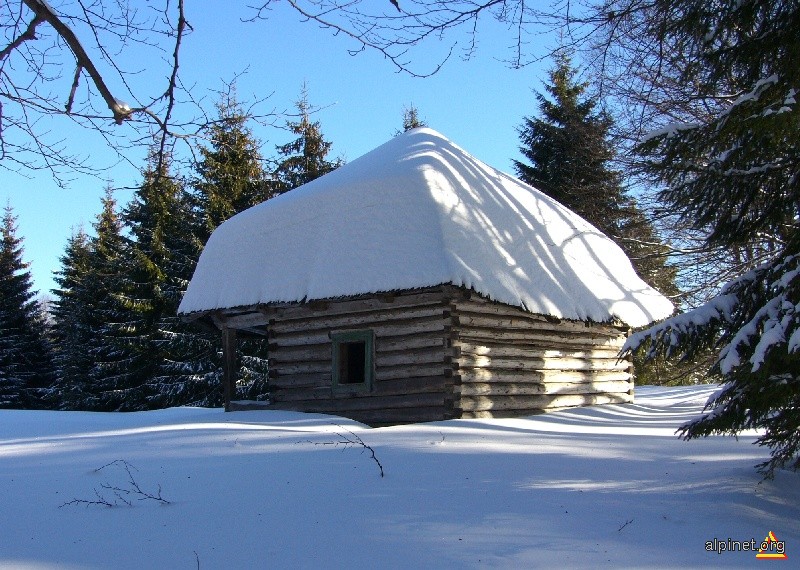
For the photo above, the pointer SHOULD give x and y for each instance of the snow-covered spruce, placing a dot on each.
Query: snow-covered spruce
(755, 323)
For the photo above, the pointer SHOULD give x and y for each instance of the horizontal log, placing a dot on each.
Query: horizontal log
(242, 321)
(531, 351)
(413, 370)
(398, 387)
(283, 381)
(479, 306)
(407, 342)
(467, 361)
(527, 389)
(382, 330)
(346, 404)
(524, 323)
(542, 376)
(300, 353)
(396, 416)
(540, 402)
(414, 385)
(323, 321)
(434, 355)
(367, 304)
(301, 393)
(311, 367)
(476, 335)
(296, 340)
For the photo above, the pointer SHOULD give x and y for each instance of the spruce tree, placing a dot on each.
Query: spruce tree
(72, 325)
(153, 224)
(230, 179)
(178, 363)
(734, 175)
(111, 375)
(411, 118)
(305, 158)
(570, 160)
(231, 176)
(25, 357)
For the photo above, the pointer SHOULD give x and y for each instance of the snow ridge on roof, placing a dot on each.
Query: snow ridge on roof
(419, 211)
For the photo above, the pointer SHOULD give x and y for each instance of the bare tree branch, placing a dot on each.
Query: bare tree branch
(28, 34)
(120, 110)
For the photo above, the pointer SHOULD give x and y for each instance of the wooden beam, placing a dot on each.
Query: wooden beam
(228, 365)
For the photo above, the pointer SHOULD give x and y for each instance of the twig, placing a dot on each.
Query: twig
(624, 525)
(123, 495)
(352, 441)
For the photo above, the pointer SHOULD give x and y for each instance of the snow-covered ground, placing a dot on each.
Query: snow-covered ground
(606, 486)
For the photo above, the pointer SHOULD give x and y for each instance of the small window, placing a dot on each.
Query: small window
(352, 360)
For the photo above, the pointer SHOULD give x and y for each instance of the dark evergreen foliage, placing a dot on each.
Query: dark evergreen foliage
(305, 158)
(112, 373)
(736, 175)
(25, 354)
(230, 172)
(157, 221)
(72, 329)
(411, 119)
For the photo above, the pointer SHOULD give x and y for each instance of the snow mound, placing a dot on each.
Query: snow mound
(416, 212)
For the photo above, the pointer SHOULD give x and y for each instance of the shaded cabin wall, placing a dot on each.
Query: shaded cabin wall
(513, 363)
(413, 357)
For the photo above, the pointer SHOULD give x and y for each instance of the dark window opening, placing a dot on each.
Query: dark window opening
(352, 362)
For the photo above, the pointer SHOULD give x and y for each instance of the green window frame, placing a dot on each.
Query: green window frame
(353, 366)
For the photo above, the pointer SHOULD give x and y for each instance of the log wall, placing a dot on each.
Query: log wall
(440, 353)
(512, 363)
(413, 378)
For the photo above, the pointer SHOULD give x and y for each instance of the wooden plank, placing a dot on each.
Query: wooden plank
(523, 389)
(414, 385)
(368, 304)
(479, 306)
(394, 387)
(347, 404)
(415, 356)
(300, 353)
(467, 361)
(311, 367)
(395, 416)
(554, 340)
(300, 393)
(281, 381)
(357, 320)
(287, 340)
(424, 340)
(243, 321)
(523, 322)
(532, 350)
(382, 330)
(539, 402)
(541, 376)
(414, 370)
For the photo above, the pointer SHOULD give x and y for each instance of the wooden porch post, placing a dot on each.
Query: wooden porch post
(228, 365)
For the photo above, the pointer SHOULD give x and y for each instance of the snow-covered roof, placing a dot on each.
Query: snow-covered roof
(419, 211)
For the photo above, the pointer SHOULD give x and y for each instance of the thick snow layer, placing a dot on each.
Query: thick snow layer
(602, 487)
(419, 211)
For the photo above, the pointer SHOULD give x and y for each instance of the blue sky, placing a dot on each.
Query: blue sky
(477, 103)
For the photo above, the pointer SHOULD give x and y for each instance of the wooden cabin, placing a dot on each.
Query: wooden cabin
(417, 284)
